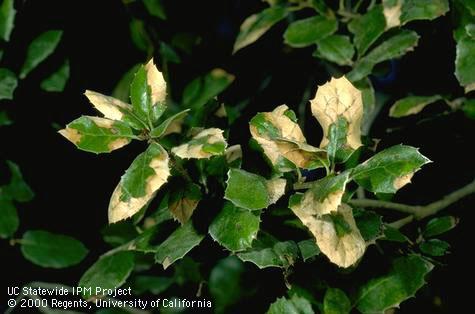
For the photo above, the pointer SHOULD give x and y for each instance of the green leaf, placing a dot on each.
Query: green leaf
(423, 10)
(367, 29)
(39, 49)
(5, 119)
(257, 24)
(17, 189)
(205, 144)
(52, 250)
(336, 48)
(369, 223)
(119, 233)
(8, 83)
(394, 235)
(394, 47)
(434, 247)
(234, 228)
(225, 283)
(470, 29)
(294, 305)
(335, 301)
(57, 81)
(202, 89)
(152, 284)
(177, 245)
(183, 201)
(140, 95)
(168, 53)
(9, 222)
(337, 148)
(98, 135)
(147, 173)
(389, 170)
(468, 108)
(246, 190)
(309, 31)
(465, 63)
(155, 8)
(439, 225)
(7, 18)
(402, 282)
(370, 107)
(308, 249)
(109, 272)
(271, 253)
(139, 35)
(411, 105)
(163, 127)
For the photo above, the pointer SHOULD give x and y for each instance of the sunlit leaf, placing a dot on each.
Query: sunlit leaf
(98, 135)
(338, 107)
(205, 144)
(147, 173)
(336, 234)
(283, 141)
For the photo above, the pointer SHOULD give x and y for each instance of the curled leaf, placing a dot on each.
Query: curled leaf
(147, 173)
(283, 141)
(98, 135)
(337, 101)
(207, 143)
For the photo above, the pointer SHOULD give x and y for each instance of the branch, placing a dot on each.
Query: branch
(419, 211)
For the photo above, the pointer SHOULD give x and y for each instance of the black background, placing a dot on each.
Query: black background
(73, 187)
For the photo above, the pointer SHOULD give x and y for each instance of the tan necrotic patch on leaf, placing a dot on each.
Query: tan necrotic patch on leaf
(124, 206)
(205, 144)
(71, 135)
(233, 153)
(110, 107)
(276, 188)
(392, 13)
(403, 180)
(344, 249)
(157, 83)
(339, 98)
(281, 137)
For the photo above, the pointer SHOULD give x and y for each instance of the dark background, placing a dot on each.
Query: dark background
(73, 187)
